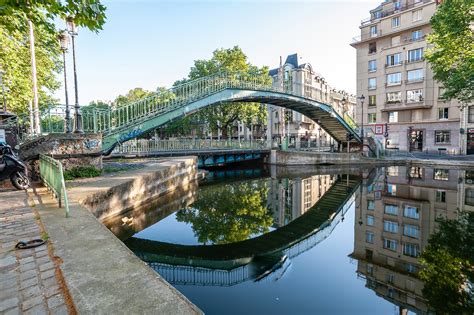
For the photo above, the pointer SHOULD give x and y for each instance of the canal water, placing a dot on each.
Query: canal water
(323, 240)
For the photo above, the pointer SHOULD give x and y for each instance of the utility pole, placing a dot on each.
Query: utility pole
(37, 127)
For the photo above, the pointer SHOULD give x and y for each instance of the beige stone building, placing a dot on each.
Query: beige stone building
(301, 79)
(394, 218)
(398, 84)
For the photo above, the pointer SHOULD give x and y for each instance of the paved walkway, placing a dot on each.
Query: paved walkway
(29, 278)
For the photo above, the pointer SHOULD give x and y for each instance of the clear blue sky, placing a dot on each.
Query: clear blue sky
(153, 43)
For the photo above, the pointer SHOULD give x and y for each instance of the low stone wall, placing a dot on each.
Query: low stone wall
(109, 196)
(72, 149)
(312, 158)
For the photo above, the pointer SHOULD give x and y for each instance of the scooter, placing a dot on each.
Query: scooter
(11, 167)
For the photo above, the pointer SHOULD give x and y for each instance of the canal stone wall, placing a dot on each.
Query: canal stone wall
(111, 197)
(313, 158)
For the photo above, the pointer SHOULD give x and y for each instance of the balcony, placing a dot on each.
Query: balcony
(393, 10)
(417, 80)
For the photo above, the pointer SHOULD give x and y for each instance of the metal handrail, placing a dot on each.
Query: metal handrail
(51, 172)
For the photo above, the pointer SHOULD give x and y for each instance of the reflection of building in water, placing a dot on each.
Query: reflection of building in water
(290, 198)
(394, 218)
(466, 190)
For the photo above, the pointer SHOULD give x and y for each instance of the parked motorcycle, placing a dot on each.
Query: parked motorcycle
(11, 167)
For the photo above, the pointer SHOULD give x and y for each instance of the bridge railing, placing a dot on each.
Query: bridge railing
(111, 119)
(147, 146)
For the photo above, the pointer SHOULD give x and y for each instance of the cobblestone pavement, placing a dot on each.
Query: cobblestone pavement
(28, 282)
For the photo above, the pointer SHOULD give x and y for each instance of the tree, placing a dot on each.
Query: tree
(222, 117)
(15, 61)
(229, 213)
(86, 13)
(133, 95)
(452, 54)
(448, 262)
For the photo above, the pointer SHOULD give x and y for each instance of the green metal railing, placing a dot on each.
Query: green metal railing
(112, 120)
(147, 146)
(51, 172)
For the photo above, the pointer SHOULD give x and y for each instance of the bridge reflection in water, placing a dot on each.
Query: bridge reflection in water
(302, 212)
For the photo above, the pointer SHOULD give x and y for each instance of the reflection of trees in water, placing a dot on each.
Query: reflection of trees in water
(448, 262)
(229, 213)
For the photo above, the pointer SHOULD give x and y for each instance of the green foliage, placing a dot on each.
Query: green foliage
(132, 96)
(448, 263)
(452, 54)
(82, 172)
(221, 117)
(86, 13)
(15, 61)
(229, 213)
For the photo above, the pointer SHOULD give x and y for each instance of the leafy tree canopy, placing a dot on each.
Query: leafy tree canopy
(132, 96)
(452, 54)
(221, 117)
(86, 13)
(448, 263)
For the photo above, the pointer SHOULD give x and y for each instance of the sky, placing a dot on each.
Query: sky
(153, 43)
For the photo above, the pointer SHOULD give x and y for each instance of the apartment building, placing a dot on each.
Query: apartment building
(301, 79)
(398, 84)
(394, 218)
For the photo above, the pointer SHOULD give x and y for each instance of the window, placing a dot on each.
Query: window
(414, 96)
(390, 278)
(369, 237)
(441, 91)
(416, 35)
(471, 114)
(417, 16)
(469, 199)
(397, 5)
(370, 205)
(411, 230)
(372, 118)
(370, 269)
(372, 100)
(391, 209)
(392, 189)
(373, 31)
(392, 117)
(415, 75)
(411, 250)
(440, 196)
(394, 78)
(394, 97)
(415, 55)
(390, 244)
(372, 48)
(443, 113)
(441, 174)
(411, 212)
(372, 83)
(395, 59)
(411, 268)
(442, 136)
(390, 226)
(415, 172)
(370, 220)
(372, 65)
(392, 171)
(395, 22)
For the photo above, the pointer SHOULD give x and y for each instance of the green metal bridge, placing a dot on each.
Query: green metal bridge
(121, 124)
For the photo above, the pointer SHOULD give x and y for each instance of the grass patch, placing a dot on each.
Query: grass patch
(82, 172)
(44, 236)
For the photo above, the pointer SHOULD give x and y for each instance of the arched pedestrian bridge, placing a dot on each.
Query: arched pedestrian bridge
(127, 122)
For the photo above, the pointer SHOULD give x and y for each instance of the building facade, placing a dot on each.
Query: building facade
(398, 84)
(301, 79)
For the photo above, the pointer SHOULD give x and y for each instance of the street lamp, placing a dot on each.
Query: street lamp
(63, 38)
(72, 30)
(3, 90)
(362, 99)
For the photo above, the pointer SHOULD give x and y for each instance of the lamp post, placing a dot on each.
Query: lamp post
(72, 30)
(3, 91)
(63, 38)
(362, 99)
